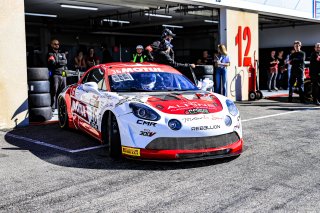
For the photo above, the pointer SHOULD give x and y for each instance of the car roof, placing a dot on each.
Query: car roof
(125, 67)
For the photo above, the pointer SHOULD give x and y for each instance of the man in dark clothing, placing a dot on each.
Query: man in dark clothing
(315, 74)
(139, 56)
(165, 55)
(57, 64)
(297, 70)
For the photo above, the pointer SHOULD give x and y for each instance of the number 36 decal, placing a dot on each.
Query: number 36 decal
(245, 35)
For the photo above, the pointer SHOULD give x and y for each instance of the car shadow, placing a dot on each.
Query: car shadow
(28, 138)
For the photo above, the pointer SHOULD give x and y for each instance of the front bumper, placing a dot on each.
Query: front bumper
(230, 150)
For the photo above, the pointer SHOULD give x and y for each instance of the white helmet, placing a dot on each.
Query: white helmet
(139, 47)
(148, 81)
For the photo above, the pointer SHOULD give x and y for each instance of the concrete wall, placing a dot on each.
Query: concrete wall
(13, 81)
(284, 37)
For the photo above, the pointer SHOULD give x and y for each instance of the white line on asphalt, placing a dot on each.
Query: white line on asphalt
(50, 145)
(278, 114)
(86, 149)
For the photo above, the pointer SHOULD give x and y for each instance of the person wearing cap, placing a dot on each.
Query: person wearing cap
(139, 57)
(165, 55)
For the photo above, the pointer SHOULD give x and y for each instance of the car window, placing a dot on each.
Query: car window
(95, 75)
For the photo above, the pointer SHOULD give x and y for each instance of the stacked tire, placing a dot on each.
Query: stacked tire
(39, 94)
(204, 71)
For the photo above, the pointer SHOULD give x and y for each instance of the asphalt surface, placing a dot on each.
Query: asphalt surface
(279, 171)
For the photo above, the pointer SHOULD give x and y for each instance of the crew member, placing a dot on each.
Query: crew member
(57, 65)
(139, 57)
(315, 74)
(297, 71)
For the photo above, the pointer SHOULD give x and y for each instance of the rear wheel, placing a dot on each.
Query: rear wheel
(113, 135)
(63, 114)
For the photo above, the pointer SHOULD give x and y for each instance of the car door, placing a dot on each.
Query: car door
(86, 102)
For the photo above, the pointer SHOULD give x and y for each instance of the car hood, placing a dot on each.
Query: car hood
(183, 102)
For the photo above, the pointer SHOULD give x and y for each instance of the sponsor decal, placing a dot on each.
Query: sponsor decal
(147, 132)
(197, 128)
(79, 109)
(147, 123)
(122, 77)
(137, 69)
(127, 99)
(236, 127)
(190, 104)
(94, 120)
(203, 117)
(197, 111)
(130, 151)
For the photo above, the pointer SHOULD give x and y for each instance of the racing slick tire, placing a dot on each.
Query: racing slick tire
(39, 100)
(203, 70)
(38, 74)
(113, 135)
(38, 87)
(40, 114)
(63, 114)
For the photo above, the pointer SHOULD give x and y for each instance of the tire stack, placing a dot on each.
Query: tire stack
(204, 71)
(39, 94)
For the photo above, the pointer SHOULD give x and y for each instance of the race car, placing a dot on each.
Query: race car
(150, 111)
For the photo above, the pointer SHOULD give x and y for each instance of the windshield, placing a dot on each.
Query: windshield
(150, 81)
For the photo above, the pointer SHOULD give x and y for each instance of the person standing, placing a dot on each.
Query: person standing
(206, 59)
(281, 71)
(272, 72)
(297, 71)
(80, 62)
(92, 59)
(222, 61)
(57, 65)
(315, 73)
(289, 66)
(165, 55)
(139, 57)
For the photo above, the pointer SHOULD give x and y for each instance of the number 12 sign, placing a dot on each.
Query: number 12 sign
(243, 60)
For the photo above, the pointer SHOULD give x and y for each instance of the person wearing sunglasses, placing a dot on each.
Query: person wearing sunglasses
(57, 65)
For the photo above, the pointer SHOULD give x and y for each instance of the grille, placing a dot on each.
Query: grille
(193, 142)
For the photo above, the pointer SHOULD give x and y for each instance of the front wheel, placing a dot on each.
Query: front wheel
(63, 114)
(114, 137)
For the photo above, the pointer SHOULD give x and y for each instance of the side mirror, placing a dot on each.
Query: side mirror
(91, 87)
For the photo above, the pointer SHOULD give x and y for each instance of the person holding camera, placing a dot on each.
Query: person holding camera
(57, 65)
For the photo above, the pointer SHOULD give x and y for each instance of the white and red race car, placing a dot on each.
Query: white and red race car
(151, 111)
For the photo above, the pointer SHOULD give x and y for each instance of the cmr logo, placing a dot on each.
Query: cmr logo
(79, 109)
(147, 123)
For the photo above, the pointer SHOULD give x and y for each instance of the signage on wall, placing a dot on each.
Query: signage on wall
(243, 35)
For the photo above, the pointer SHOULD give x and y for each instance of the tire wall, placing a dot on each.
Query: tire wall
(39, 97)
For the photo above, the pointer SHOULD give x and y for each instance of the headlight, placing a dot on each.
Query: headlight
(144, 112)
(174, 124)
(233, 110)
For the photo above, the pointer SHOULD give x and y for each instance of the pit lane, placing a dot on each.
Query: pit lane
(278, 170)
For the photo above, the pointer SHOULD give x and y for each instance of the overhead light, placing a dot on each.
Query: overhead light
(78, 7)
(157, 15)
(211, 21)
(172, 26)
(41, 14)
(117, 21)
